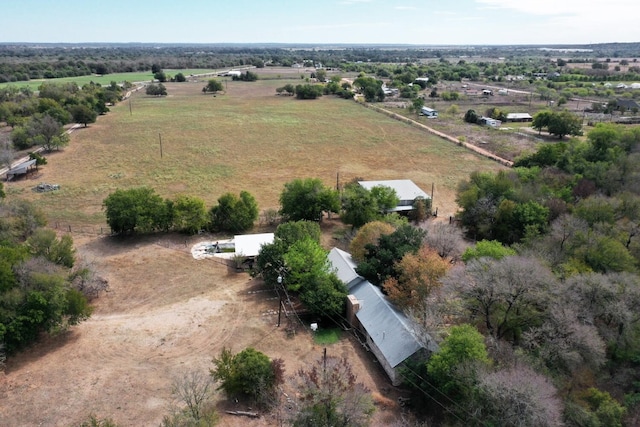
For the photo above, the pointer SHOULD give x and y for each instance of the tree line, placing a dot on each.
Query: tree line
(43, 287)
(142, 210)
(38, 120)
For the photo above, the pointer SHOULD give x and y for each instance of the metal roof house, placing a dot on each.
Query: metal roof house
(387, 330)
(519, 117)
(406, 190)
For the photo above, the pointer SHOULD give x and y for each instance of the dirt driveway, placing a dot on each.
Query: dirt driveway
(165, 313)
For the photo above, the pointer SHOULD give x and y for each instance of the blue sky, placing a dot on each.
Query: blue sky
(434, 22)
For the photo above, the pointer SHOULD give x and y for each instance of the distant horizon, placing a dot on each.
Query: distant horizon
(559, 46)
(335, 22)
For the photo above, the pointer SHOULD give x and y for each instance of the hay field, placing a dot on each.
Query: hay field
(245, 139)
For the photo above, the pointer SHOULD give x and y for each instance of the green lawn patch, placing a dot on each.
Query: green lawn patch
(327, 336)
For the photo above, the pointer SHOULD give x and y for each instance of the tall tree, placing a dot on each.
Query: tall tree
(83, 114)
(380, 259)
(419, 276)
(307, 199)
(233, 213)
(189, 214)
(505, 296)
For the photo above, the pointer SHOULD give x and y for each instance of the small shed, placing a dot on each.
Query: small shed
(21, 169)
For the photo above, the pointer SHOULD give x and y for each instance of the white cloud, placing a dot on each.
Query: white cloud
(406, 8)
(565, 7)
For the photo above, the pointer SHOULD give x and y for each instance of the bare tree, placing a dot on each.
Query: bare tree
(329, 394)
(505, 295)
(564, 343)
(85, 279)
(6, 152)
(608, 301)
(445, 238)
(193, 392)
(519, 397)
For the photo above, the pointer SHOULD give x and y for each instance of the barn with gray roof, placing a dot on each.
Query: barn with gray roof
(387, 330)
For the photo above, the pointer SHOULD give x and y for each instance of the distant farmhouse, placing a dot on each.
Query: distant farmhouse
(429, 112)
(519, 117)
(387, 330)
(488, 121)
(626, 104)
(406, 190)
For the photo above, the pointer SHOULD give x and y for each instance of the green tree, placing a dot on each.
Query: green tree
(293, 231)
(380, 259)
(308, 91)
(487, 248)
(213, 86)
(471, 116)
(541, 120)
(564, 123)
(307, 199)
(83, 114)
(368, 234)
(180, 78)
(248, 373)
(156, 89)
(189, 214)
(160, 76)
(233, 213)
(417, 104)
(44, 242)
(454, 367)
(358, 205)
(305, 260)
(370, 87)
(137, 210)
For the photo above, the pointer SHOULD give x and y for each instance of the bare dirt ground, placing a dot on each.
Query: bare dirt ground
(165, 313)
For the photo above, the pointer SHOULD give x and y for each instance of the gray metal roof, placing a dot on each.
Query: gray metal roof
(387, 326)
(405, 188)
(21, 168)
(345, 267)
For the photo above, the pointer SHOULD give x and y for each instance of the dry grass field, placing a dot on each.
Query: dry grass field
(166, 312)
(246, 139)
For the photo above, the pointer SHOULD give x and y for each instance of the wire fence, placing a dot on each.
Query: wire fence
(82, 229)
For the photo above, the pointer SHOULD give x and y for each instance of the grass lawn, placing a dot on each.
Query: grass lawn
(326, 336)
(105, 79)
(245, 139)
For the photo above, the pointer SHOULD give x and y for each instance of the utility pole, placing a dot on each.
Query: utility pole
(160, 138)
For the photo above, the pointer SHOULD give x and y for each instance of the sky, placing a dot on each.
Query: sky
(420, 22)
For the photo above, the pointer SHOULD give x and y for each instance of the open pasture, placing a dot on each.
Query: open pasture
(244, 139)
(105, 79)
